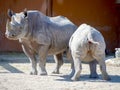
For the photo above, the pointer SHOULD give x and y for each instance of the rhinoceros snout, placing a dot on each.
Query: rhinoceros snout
(9, 36)
(6, 35)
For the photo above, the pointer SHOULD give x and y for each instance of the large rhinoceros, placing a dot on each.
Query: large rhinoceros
(40, 34)
(87, 44)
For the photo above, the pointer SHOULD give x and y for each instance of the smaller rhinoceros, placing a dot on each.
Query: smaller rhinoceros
(42, 35)
(87, 45)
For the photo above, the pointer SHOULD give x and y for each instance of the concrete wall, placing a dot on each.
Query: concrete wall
(104, 15)
(101, 14)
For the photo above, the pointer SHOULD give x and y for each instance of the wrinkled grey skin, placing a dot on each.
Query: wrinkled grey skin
(42, 35)
(87, 45)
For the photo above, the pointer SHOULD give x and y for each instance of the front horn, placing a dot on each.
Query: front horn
(8, 23)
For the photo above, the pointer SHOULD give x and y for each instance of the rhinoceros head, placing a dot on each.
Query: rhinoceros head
(18, 26)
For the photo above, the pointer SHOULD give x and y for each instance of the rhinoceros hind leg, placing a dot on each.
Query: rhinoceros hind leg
(78, 68)
(102, 64)
(59, 62)
(93, 73)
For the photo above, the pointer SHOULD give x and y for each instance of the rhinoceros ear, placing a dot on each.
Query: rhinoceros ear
(25, 12)
(10, 13)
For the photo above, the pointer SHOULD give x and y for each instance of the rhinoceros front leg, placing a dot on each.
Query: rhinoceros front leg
(59, 62)
(33, 65)
(93, 73)
(30, 54)
(42, 53)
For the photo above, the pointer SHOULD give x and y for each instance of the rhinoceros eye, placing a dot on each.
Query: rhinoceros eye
(21, 27)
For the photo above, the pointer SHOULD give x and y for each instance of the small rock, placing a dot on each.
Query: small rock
(113, 61)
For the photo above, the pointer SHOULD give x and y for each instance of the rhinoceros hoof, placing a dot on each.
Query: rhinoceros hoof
(106, 78)
(42, 73)
(33, 73)
(74, 79)
(55, 72)
(94, 76)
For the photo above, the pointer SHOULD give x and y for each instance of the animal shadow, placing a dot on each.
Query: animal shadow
(114, 78)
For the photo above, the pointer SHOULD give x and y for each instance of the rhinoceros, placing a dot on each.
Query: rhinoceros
(42, 35)
(87, 45)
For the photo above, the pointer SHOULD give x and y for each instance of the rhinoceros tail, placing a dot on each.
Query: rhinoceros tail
(90, 41)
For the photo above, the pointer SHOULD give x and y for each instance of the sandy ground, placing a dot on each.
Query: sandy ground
(14, 75)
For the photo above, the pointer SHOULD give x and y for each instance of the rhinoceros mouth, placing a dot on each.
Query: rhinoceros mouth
(12, 38)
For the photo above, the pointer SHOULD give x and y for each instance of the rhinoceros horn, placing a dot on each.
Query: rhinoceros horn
(8, 24)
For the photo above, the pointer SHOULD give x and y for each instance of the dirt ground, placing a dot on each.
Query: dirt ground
(14, 75)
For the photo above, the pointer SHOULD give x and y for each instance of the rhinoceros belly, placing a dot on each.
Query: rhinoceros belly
(56, 50)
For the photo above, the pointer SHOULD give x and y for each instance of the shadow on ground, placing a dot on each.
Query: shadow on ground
(114, 78)
(10, 68)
